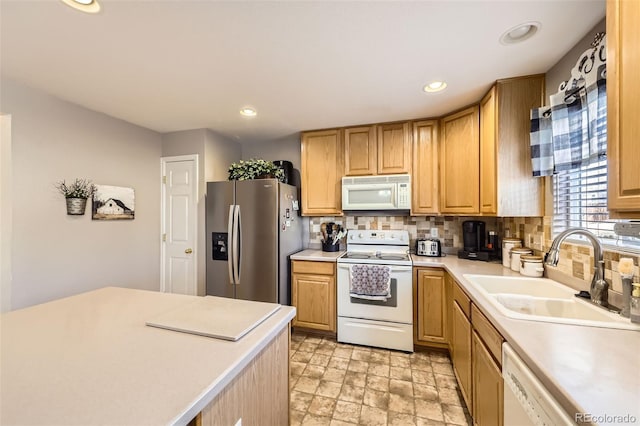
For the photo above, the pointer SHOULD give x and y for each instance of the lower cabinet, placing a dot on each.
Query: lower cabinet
(313, 293)
(430, 307)
(461, 355)
(487, 386)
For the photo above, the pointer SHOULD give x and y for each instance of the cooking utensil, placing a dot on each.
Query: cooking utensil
(323, 230)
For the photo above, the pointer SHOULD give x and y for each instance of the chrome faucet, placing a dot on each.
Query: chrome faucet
(599, 290)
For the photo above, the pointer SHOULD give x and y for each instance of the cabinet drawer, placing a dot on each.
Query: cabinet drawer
(463, 300)
(490, 336)
(309, 267)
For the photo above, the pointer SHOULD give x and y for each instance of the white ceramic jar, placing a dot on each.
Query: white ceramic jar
(516, 252)
(507, 245)
(531, 266)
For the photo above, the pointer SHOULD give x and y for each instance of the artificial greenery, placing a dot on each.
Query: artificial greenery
(80, 188)
(255, 169)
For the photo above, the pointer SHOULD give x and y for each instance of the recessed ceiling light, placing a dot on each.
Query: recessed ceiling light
(88, 6)
(435, 86)
(248, 112)
(520, 33)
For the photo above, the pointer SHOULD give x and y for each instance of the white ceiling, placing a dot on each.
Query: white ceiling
(179, 64)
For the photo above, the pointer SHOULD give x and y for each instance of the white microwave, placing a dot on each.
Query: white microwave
(388, 192)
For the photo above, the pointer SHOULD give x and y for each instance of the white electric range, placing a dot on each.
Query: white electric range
(380, 323)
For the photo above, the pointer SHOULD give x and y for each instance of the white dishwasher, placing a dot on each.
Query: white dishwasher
(526, 401)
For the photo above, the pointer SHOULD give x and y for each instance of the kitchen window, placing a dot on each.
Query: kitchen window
(580, 200)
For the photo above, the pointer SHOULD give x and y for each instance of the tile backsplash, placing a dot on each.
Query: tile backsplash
(576, 260)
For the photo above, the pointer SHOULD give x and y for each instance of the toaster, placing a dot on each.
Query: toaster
(430, 247)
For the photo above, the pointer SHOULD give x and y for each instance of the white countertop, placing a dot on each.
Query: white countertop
(317, 255)
(587, 369)
(90, 359)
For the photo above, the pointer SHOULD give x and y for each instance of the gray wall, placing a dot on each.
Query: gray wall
(561, 71)
(55, 255)
(215, 154)
(5, 213)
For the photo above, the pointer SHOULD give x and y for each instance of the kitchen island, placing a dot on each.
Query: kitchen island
(90, 359)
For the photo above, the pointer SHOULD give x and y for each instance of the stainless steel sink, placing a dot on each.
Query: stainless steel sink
(541, 299)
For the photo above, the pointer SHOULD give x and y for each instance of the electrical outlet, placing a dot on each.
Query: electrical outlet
(434, 232)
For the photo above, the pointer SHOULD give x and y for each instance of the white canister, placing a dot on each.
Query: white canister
(507, 245)
(516, 252)
(531, 266)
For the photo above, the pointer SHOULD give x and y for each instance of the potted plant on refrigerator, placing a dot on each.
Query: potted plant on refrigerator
(255, 169)
(76, 194)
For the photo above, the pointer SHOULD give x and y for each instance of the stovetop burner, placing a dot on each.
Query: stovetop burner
(357, 256)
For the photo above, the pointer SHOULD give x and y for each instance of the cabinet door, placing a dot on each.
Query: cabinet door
(394, 148)
(314, 297)
(487, 387)
(460, 162)
(462, 353)
(424, 179)
(488, 187)
(623, 107)
(431, 306)
(448, 291)
(322, 167)
(360, 151)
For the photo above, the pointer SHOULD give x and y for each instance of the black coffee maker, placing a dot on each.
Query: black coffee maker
(474, 242)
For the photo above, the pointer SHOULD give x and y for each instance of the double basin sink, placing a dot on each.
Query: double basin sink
(541, 299)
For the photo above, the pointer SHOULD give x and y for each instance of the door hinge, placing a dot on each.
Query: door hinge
(164, 237)
(164, 179)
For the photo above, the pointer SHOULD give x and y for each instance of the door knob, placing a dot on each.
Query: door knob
(188, 251)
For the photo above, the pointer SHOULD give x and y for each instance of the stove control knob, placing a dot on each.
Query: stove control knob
(393, 236)
(352, 236)
(361, 235)
(401, 237)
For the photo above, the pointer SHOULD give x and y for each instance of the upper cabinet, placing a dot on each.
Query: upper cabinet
(322, 167)
(507, 186)
(377, 149)
(424, 179)
(394, 148)
(459, 162)
(360, 151)
(623, 107)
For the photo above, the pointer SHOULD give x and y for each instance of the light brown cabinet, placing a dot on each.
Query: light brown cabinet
(394, 148)
(424, 179)
(378, 149)
(360, 151)
(459, 162)
(623, 108)
(487, 382)
(507, 186)
(322, 156)
(487, 386)
(313, 293)
(461, 345)
(430, 309)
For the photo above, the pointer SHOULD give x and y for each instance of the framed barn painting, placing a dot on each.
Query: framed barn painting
(113, 203)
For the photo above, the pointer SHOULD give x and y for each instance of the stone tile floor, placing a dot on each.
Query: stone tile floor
(341, 384)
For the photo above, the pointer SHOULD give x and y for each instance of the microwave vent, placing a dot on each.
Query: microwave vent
(376, 179)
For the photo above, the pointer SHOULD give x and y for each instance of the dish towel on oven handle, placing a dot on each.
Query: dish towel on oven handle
(372, 282)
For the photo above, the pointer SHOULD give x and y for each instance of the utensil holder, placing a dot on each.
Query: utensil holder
(331, 247)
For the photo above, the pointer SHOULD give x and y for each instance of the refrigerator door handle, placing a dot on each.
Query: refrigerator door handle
(236, 245)
(230, 238)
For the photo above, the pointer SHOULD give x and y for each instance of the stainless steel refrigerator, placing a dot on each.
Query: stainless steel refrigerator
(252, 228)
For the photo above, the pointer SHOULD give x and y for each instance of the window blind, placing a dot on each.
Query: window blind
(580, 200)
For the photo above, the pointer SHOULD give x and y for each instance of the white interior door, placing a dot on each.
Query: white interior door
(179, 224)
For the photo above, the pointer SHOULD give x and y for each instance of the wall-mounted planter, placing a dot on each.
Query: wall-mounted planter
(76, 206)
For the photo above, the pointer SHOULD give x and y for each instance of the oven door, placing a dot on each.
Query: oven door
(374, 196)
(398, 308)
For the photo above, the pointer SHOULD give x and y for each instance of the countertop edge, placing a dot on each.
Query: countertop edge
(232, 372)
